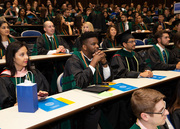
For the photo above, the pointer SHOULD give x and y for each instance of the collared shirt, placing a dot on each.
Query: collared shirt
(106, 70)
(161, 49)
(126, 26)
(50, 52)
(138, 122)
(5, 44)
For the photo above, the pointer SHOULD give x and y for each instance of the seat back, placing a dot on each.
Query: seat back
(139, 42)
(59, 82)
(31, 33)
(145, 41)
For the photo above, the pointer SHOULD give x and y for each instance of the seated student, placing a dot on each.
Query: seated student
(176, 24)
(29, 12)
(160, 57)
(9, 9)
(5, 38)
(17, 67)
(151, 38)
(89, 66)
(49, 43)
(110, 40)
(50, 13)
(148, 17)
(141, 25)
(149, 108)
(174, 108)
(176, 49)
(62, 27)
(22, 18)
(78, 23)
(125, 25)
(66, 15)
(126, 63)
(161, 22)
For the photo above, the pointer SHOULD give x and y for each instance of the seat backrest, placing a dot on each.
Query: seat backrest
(59, 82)
(139, 42)
(145, 41)
(31, 33)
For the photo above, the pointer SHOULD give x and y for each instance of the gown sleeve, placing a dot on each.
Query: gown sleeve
(120, 70)
(41, 46)
(157, 64)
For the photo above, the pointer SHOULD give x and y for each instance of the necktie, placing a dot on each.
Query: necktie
(164, 56)
(52, 43)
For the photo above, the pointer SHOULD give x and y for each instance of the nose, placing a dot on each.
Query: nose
(97, 46)
(166, 112)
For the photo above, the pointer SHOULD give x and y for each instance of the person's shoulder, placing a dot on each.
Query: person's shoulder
(135, 126)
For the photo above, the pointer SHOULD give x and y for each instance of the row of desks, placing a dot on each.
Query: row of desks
(11, 118)
(47, 57)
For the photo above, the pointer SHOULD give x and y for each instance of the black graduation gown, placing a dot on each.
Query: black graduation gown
(109, 44)
(7, 88)
(156, 62)
(42, 48)
(120, 67)
(82, 76)
(176, 51)
(175, 118)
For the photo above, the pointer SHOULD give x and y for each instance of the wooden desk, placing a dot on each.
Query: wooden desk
(137, 82)
(141, 35)
(47, 57)
(11, 118)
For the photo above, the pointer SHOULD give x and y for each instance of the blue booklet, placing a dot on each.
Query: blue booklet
(177, 70)
(123, 87)
(50, 104)
(157, 77)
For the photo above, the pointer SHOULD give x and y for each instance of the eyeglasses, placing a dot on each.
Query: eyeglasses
(132, 41)
(162, 112)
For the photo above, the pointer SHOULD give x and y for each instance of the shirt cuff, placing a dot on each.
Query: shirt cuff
(67, 50)
(50, 52)
(106, 72)
(92, 69)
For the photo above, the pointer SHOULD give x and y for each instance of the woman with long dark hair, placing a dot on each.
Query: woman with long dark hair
(5, 38)
(110, 40)
(17, 70)
(22, 18)
(50, 13)
(62, 27)
(78, 23)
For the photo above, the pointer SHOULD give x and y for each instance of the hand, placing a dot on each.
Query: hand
(97, 56)
(61, 49)
(146, 73)
(178, 65)
(42, 95)
(3, 57)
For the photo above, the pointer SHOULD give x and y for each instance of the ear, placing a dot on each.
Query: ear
(124, 44)
(44, 29)
(145, 116)
(84, 47)
(159, 40)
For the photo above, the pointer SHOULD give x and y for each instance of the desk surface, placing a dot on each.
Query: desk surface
(137, 82)
(11, 118)
(46, 57)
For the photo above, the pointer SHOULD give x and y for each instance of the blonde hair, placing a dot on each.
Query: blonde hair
(91, 28)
